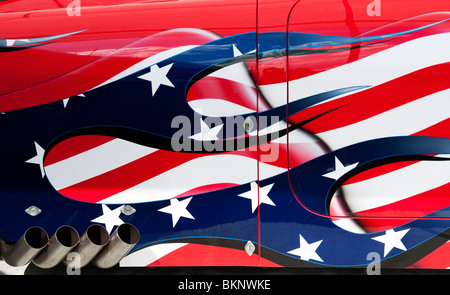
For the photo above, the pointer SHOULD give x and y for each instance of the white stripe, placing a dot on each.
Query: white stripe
(349, 224)
(148, 255)
(373, 70)
(94, 162)
(213, 107)
(195, 173)
(146, 63)
(397, 185)
(403, 120)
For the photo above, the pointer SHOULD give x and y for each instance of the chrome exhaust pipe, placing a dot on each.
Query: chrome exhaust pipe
(121, 242)
(59, 245)
(91, 243)
(26, 248)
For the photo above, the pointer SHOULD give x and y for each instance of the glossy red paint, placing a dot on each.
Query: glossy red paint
(109, 37)
(122, 34)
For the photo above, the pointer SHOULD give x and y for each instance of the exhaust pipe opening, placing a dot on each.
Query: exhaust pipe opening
(26, 248)
(67, 236)
(128, 234)
(59, 245)
(91, 243)
(98, 235)
(121, 242)
(36, 237)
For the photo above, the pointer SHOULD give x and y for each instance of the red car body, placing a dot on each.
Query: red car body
(355, 93)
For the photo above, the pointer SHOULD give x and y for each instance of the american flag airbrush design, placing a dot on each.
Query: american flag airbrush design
(404, 98)
(364, 140)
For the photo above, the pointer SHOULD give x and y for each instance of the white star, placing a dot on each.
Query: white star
(392, 239)
(110, 218)
(66, 100)
(307, 251)
(339, 170)
(236, 52)
(38, 159)
(207, 133)
(158, 77)
(252, 194)
(177, 209)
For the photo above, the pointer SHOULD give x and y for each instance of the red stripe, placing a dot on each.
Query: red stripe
(363, 105)
(218, 88)
(406, 210)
